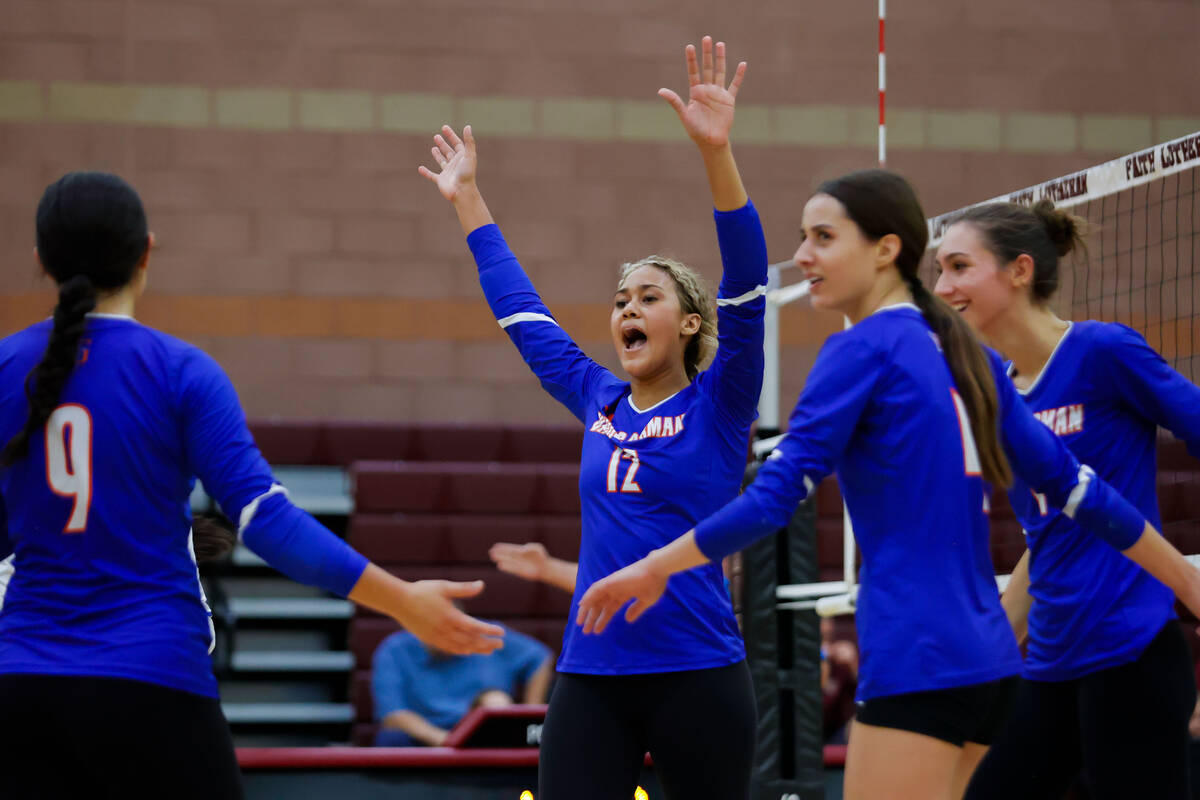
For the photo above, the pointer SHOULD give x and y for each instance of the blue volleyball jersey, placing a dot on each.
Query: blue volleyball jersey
(648, 475)
(881, 409)
(1103, 392)
(98, 512)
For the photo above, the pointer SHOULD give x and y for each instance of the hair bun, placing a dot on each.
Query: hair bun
(1064, 229)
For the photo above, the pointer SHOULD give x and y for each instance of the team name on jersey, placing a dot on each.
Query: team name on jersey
(1064, 420)
(656, 428)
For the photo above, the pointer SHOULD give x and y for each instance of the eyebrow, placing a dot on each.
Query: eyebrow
(955, 254)
(644, 286)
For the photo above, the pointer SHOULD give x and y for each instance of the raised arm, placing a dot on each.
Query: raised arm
(221, 452)
(734, 380)
(565, 372)
(1040, 459)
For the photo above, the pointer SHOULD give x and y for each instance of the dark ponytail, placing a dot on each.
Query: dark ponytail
(91, 235)
(45, 383)
(881, 203)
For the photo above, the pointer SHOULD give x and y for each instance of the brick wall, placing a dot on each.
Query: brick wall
(275, 145)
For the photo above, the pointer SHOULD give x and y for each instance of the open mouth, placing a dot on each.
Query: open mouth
(814, 282)
(959, 307)
(634, 339)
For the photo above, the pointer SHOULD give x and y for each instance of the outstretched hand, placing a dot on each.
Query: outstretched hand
(456, 161)
(604, 598)
(526, 561)
(708, 115)
(431, 616)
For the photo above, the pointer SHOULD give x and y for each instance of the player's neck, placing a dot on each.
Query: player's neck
(119, 303)
(1028, 340)
(649, 392)
(882, 295)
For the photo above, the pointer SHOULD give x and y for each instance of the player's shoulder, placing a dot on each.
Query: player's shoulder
(32, 337)
(1105, 334)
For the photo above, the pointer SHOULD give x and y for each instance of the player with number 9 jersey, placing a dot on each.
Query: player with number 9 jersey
(104, 631)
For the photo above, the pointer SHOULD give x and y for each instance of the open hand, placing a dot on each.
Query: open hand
(430, 615)
(605, 597)
(526, 561)
(708, 115)
(456, 160)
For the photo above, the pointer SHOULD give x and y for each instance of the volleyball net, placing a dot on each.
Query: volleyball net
(1140, 270)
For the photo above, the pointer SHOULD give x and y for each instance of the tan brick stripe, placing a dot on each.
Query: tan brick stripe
(580, 119)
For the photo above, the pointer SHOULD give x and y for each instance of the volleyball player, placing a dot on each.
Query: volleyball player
(914, 416)
(661, 451)
(106, 686)
(1107, 679)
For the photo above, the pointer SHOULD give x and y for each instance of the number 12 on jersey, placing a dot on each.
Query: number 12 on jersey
(69, 461)
(629, 485)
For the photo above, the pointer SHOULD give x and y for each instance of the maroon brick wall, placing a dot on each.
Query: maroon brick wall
(331, 281)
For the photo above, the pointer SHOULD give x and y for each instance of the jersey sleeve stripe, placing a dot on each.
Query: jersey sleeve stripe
(247, 515)
(757, 291)
(525, 316)
(1079, 492)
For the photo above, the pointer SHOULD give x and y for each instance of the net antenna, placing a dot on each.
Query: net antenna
(1143, 274)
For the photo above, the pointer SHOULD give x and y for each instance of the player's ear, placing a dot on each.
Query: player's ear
(690, 324)
(1020, 270)
(887, 250)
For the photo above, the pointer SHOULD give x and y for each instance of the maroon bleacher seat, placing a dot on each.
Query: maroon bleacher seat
(458, 442)
(542, 444)
(347, 442)
(340, 443)
(456, 487)
(291, 442)
(558, 489)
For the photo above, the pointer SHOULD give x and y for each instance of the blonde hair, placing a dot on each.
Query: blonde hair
(694, 298)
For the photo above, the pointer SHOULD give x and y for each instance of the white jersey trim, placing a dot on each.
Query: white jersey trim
(651, 408)
(1077, 494)
(525, 316)
(1045, 367)
(757, 291)
(247, 515)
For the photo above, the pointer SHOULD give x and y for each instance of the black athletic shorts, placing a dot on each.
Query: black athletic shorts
(972, 713)
(87, 738)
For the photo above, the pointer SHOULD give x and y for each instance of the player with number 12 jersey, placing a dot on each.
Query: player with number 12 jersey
(647, 473)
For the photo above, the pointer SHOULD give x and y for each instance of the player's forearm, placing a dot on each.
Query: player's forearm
(471, 209)
(724, 180)
(561, 573)
(1016, 599)
(415, 726)
(678, 556)
(1159, 557)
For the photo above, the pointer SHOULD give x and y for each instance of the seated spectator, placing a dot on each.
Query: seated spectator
(420, 693)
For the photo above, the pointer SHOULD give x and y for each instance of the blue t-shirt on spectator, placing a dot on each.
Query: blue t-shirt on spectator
(408, 676)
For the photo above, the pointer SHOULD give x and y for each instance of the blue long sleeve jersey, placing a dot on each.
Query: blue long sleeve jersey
(647, 474)
(98, 512)
(1104, 392)
(880, 407)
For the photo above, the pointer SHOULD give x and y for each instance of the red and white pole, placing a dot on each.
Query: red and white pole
(882, 87)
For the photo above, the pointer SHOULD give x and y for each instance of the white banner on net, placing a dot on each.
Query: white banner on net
(1095, 182)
